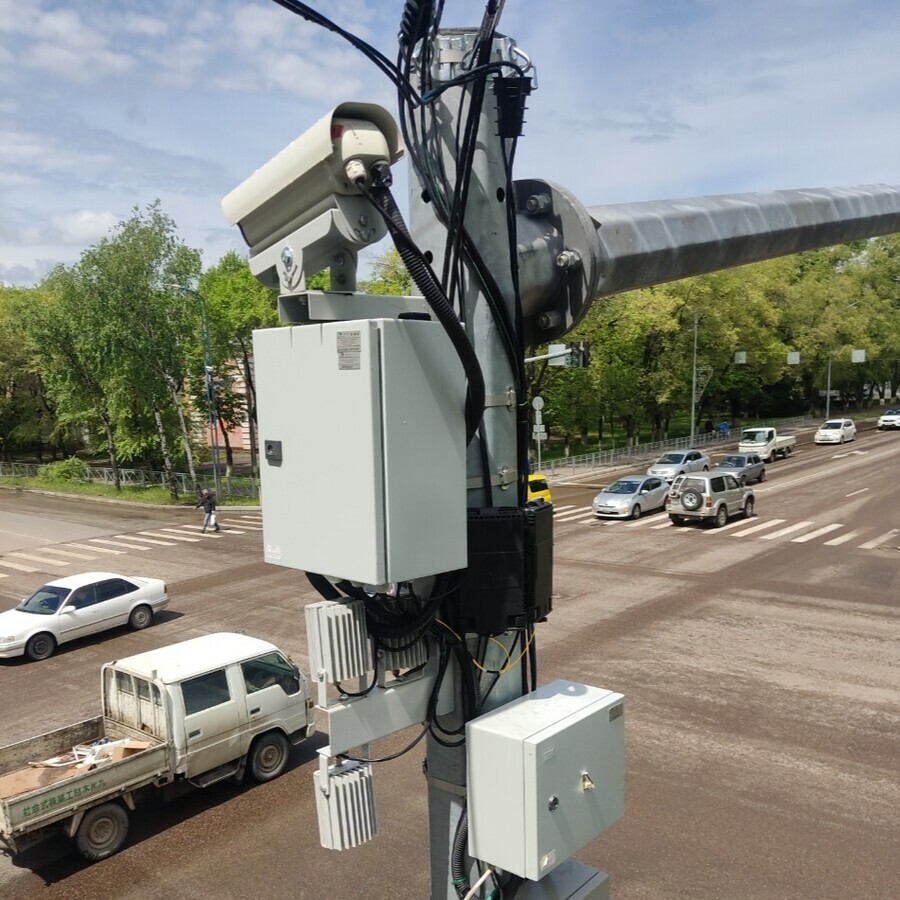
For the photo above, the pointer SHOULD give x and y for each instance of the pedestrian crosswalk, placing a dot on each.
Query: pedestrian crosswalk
(773, 530)
(97, 552)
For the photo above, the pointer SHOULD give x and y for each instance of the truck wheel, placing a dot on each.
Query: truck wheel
(40, 646)
(269, 756)
(141, 616)
(772, 457)
(788, 451)
(102, 831)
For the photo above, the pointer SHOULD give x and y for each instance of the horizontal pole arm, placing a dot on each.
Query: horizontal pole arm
(648, 243)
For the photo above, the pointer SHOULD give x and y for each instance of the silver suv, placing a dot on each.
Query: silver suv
(709, 497)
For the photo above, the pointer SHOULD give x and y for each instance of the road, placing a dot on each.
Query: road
(759, 664)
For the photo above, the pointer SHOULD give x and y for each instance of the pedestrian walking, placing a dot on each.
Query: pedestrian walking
(208, 502)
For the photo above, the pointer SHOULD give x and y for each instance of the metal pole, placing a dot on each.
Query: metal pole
(694, 381)
(828, 390)
(210, 392)
(208, 381)
(486, 222)
(539, 454)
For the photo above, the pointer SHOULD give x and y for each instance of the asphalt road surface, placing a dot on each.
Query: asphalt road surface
(759, 663)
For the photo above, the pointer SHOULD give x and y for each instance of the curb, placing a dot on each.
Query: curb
(111, 500)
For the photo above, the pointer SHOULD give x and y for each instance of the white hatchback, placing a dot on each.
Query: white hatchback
(76, 606)
(836, 431)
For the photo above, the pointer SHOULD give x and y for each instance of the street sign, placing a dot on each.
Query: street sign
(538, 403)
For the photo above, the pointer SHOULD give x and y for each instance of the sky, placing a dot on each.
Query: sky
(107, 105)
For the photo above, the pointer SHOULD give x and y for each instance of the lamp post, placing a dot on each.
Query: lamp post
(208, 381)
(694, 382)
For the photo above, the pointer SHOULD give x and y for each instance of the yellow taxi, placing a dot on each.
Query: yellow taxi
(538, 489)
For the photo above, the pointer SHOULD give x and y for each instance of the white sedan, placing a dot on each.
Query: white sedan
(76, 606)
(836, 431)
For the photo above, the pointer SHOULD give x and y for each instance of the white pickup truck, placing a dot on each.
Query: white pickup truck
(197, 712)
(766, 443)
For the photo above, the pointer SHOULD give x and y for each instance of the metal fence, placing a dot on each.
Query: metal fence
(640, 453)
(233, 486)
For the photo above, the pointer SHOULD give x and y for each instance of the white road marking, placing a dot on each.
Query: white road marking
(143, 540)
(817, 533)
(647, 520)
(664, 525)
(117, 544)
(575, 514)
(3, 575)
(881, 539)
(41, 559)
(203, 534)
(860, 491)
(241, 525)
(842, 539)
(97, 549)
(171, 537)
(789, 530)
(11, 565)
(69, 553)
(737, 523)
(761, 527)
(558, 509)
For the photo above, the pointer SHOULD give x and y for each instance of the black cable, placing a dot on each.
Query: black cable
(458, 851)
(390, 756)
(373, 55)
(420, 270)
(324, 587)
(362, 693)
(532, 658)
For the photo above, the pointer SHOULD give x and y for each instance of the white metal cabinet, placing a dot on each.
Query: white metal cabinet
(545, 776)
(362, 445)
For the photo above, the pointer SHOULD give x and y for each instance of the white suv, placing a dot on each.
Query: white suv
(890, 418)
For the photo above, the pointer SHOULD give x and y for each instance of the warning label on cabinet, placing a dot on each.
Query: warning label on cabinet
(349, 345)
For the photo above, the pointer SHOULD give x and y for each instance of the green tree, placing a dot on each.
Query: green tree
(27, 415)
(145, 330)
(236, 304)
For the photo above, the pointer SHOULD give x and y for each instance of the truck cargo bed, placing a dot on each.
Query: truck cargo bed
(38, 789)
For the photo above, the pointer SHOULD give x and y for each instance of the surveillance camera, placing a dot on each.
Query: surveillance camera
(310, 180)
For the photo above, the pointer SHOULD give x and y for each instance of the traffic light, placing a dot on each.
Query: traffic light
(579, 355)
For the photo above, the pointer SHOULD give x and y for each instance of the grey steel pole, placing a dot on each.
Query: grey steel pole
(208, 381)
(210, 395)
(486, 222)
(694, 381)
(828, 389)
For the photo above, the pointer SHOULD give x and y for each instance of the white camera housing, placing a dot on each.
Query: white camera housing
(300, 210)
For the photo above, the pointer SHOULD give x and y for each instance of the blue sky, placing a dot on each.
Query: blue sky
(109, 104)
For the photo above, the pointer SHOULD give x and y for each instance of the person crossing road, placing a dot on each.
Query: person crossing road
(208, 502)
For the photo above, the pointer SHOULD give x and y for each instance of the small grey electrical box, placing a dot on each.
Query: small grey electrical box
(546, 775)
(362, 439)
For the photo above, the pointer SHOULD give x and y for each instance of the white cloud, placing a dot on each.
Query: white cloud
(110, 105)
(81, 227)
